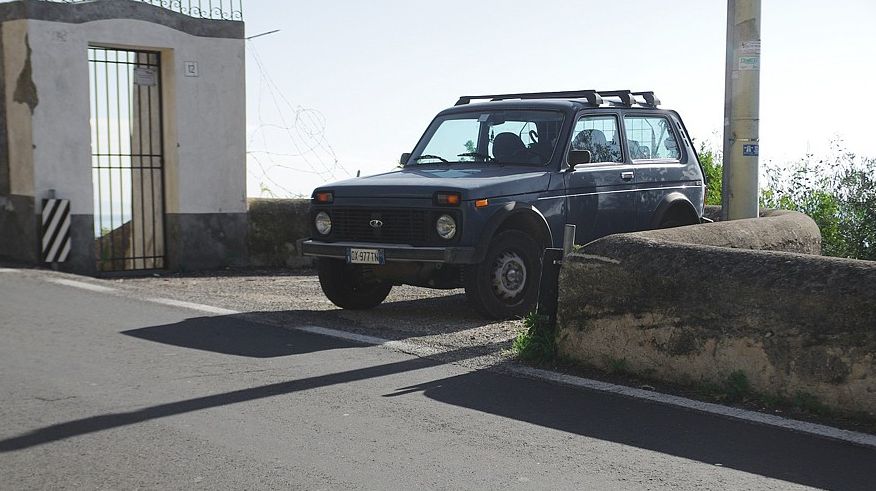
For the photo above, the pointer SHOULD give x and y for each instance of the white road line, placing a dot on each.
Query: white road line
(535, 373)
(402, 346)
(8, 270)
(706, 407)
(83, 285)
(193, 306)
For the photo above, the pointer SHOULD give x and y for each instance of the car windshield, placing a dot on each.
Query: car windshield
(505, 137)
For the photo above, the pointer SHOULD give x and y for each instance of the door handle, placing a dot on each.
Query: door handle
(627, 176)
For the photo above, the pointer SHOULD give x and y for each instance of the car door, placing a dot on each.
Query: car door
(601, 195)
(658, 159)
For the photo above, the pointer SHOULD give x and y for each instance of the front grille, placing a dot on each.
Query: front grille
(400, 226)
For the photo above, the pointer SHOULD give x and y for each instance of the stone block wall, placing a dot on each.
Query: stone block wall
(695, 304)
(275, 225)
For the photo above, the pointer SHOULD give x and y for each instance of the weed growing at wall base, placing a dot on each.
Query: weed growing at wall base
(537, 343)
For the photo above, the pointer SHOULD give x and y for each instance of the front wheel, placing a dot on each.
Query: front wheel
(349, 286)
(505, 284)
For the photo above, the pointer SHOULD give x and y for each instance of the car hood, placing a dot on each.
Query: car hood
(422, 182)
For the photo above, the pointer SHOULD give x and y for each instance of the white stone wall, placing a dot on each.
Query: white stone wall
(204, 116)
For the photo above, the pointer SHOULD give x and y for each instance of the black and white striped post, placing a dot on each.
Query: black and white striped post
(56, 230)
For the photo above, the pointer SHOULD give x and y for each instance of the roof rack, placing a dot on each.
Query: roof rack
(594, 97)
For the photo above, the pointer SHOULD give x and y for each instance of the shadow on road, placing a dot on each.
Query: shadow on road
(266, 334)
(236, 335)
(711, 439)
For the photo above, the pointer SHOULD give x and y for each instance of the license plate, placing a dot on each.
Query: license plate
(365, 256)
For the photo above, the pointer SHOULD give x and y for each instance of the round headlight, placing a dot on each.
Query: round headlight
(446, 227)
(323, 223)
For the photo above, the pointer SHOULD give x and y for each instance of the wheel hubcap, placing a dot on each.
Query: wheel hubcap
(509, 276)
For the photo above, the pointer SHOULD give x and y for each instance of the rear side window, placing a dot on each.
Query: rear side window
(598, 134)
(651, 138)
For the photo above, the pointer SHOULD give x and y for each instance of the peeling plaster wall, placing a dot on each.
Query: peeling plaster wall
(19, 130)
(680, 310)
(47, 121)
(19, 227)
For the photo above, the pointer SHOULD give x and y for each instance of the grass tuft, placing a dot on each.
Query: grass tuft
(537, 343)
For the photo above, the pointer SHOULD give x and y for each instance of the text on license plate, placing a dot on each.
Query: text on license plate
(365, 256)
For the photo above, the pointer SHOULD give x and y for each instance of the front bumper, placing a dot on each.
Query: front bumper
(391, 252)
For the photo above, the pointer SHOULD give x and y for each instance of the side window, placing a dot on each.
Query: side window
(651, 138)
(599, 134)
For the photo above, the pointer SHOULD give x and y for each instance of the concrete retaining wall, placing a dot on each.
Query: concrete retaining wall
(274, 227)
(695, 304)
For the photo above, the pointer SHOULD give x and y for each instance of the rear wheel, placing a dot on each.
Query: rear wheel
(678, 217)
(350, 286)
(505, 284)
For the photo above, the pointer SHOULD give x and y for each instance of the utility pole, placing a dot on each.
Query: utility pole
(742, 110)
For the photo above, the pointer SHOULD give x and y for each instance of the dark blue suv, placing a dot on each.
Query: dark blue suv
(490, 185)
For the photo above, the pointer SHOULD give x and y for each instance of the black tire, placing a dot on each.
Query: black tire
(494, 287)
(349, 287)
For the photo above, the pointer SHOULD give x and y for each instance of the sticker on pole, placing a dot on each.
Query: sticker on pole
(752, 47)
(749, 62)
(750, 150)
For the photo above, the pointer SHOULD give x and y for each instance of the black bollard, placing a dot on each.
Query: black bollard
(548, 290)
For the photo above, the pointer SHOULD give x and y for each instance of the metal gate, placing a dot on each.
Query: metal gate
(127, 159)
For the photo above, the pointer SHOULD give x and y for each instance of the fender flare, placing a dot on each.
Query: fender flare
(507, 211)
(670, 201)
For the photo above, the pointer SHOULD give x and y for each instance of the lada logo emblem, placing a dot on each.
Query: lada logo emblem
(376, 223)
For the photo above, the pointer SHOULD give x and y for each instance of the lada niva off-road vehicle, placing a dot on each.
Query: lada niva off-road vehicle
(490, 185)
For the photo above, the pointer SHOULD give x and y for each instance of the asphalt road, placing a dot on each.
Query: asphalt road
(110, 390)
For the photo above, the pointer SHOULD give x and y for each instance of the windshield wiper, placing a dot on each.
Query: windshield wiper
(442, 159)
(484, 156)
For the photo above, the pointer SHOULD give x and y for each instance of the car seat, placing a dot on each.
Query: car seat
(506, 145)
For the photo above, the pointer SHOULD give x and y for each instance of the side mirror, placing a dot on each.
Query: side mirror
(579, 157)
(404, 158)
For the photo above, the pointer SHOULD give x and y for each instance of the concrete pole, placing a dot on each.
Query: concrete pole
(742, 110)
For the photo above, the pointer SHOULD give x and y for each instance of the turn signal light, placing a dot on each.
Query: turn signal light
(324, 197)
(447, 199)
(482, 203)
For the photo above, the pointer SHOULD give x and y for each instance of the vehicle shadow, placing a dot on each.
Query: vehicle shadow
(239, 335)
(268, 334)
(422, 316)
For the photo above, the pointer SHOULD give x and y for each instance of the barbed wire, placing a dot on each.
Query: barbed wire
(304, 129)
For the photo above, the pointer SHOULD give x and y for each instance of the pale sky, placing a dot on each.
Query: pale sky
(348, 85)
(375, 73)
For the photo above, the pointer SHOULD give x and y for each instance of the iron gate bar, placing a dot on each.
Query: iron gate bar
(110, 164)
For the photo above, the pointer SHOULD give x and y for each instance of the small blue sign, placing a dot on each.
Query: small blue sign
(750, 150)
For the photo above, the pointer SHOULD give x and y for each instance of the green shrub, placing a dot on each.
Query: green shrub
(537, 343)
(712, 163)
(839, 193)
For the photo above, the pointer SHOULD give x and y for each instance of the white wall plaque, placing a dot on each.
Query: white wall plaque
(147, 76)
(191, 69)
